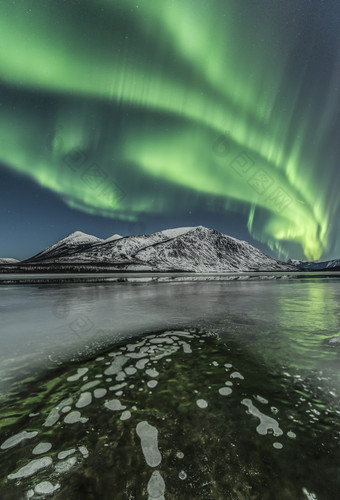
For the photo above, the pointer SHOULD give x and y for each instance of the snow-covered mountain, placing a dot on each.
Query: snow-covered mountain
(330, 265)
(8, 260)
(197, 249)
(72, 244)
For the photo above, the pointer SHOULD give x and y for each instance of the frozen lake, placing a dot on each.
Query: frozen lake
(253, 408)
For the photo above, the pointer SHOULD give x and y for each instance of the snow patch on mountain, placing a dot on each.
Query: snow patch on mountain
(8, 260)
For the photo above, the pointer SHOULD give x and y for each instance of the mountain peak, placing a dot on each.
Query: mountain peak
(114, 237)
(80, 237)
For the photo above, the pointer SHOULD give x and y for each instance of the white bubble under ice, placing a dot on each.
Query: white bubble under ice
(31, 468)
(85, 399)
(42, 448)
(225, 391)
(99, 393)
(18, 438)
(78, 375)
(114, 405)
(148, 435)
(266, 423)
(156, 485)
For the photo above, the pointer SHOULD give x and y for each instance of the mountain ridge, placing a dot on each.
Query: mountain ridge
(195, 249)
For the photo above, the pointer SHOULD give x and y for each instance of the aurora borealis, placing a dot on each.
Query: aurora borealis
(124, 108)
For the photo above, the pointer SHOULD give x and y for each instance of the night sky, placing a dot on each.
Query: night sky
(128, 117)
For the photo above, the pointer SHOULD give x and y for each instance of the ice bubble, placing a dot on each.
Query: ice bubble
(45, 488)
(291, 434)
(278, 446)
(84, 451)
(215, 363)
(100, 358)
(66, 453)
(274, 410)
(201, 403)
(180, 454)
(85, 399)
(116, 365)
(130, 370)
(266, 423)
(156, 485)
(42, 448)
(152, 383)
(261, 399)
(121, 376)
(100, 375)
(228, 365)
(132, 347)
(152, 372)
(125, 415)
(52, 418)
(74, 417)
(99, 393)
(166, 340)
(65, 465)
(119, 393)
(114, 405)
(89, 385)
(80, 373)
(32, 468)
(236, 375)
(136, 355)
(182, 334)
(148, 435)
(186, 348)
(229, 383)
(141, 363)
(66, 409)
(18, 438)
(117, 386)
(225, 391)
(165, 352)
(63, 403)
(182, 475)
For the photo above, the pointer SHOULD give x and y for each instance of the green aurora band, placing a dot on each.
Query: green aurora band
(169, 98)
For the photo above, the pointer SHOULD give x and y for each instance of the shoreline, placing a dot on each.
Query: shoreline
(130, 276)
